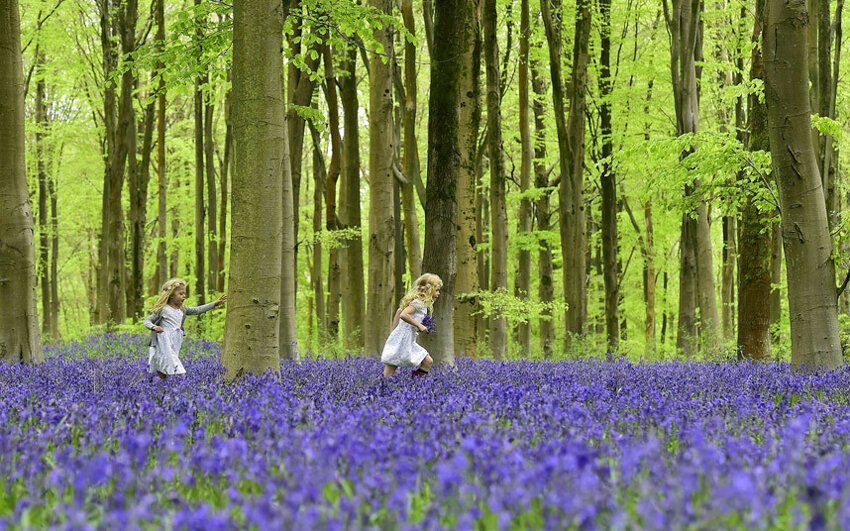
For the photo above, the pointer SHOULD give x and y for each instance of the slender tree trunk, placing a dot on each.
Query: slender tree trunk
(138, 212)
(162, 204)
(498, 208)
(212, 200)
(380, 306)
(522, 287)
(543, 213)
(223, 184)
(43, 214)
(411, 152)
(351, 254)
(466, 282)
(571, 157)
(288, 331)
(316, 269)
(20, 341)
(727, 290)
(333, 171)
(444, 141)
(609, 187)
(482, 231)
(252, 327)
(200, 212)
(54, 260)
(815, 343)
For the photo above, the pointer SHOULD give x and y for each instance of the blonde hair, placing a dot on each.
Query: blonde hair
(167, 291)
(423, 289)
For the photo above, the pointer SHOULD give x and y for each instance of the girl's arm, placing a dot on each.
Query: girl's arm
(149, 323)
(195, 310)
(406, 315)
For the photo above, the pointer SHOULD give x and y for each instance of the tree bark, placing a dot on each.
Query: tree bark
(571, 157)
(319, 176)
(252, 327)
(498, 208)
(226, 165)
(815, 343)
(200, 212)
(20, 341)
(466, 282)
(162, 204)
(411, 151)
(351, 254)
(608, 185)
(212, 200)
(140, 180)
(43, 214)
(380, 305)
(444, 161)
(543, 213)
(333, 171)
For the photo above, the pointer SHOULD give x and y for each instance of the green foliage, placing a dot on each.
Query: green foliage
(500, 303)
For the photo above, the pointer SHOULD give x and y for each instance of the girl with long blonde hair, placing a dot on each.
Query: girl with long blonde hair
(412, 318)
(166, 326)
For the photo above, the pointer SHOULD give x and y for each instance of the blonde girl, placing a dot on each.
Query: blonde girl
(401, 349)
(166, 326)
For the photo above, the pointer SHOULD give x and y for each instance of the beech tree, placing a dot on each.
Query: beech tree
(815, 343)
(20, 340)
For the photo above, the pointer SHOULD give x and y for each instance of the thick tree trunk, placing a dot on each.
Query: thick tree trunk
(815, 343)
(444, 160)
(380, 305)
(498, 207)
(20, 341)
(571, 157)
(543, 213)
(351, 254)
(754, 275)
(465, 322)
(609, 187)
(522, 286)
(253, 325)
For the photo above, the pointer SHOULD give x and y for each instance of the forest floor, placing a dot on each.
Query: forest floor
(89, 439)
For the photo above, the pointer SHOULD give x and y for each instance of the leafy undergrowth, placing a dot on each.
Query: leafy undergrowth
(87, 439)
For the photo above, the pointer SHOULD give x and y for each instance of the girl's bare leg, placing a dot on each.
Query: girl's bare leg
(389, 370)
(426, 363)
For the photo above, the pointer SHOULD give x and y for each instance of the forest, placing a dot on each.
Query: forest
(586, 179)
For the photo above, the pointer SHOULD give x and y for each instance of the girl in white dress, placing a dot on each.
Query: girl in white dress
(401, 349)
(166, 326)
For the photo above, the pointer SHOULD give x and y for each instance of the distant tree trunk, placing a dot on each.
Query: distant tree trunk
(444, 161)
(498, 208)
(776, 260)
(316, 266)
(162, 205)
(466, 282)
(176, 227)
(543, 213)
(608, 185)
(252, 327)
(54, 261)
(522, 286)
(43, 267)
(212, 200)
(815, 343)
(200, 212)
(754, 277)
(380, 306)
(225, 172)
(20, 341)
(727, 290)
(696, 273)
(482, 232)
(411, 152)
(288, 331)
(828, 74)
(333, 171)
(351, 254)
(139, 182)
(571, 157)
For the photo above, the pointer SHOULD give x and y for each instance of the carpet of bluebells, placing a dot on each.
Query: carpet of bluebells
(89, 440)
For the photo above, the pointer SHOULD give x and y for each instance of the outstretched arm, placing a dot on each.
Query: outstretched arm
(195, 310)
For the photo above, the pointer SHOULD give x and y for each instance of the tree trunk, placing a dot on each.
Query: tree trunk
(351, 254)
(522, 286)
(252, 326)
(212, 200)
(727, 290)
(815, 343)
(333, 171)
(608, 186)
(43, 213)
(316, 267)
(754, 277)
(200, 212)
(543, 212)
(380, 306)
(466, 282)
(571, 158)
(288, 330)
(440, 252)
(20, 341)
(162, 205)
(226, 165)
(411, 152)
(140, 179)
(498, 208)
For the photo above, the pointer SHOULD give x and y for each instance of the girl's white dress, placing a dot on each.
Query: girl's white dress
(164, 356)
(401, 348)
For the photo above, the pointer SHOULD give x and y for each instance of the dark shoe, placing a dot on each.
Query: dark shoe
(418, 373)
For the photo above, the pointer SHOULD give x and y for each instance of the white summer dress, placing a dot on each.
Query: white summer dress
(165, 346)
(401, 348)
